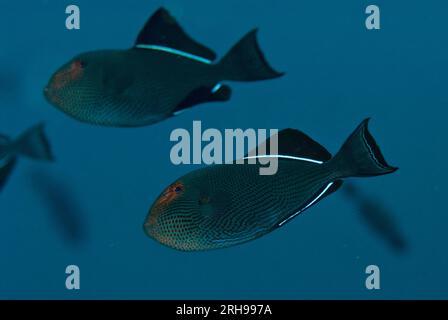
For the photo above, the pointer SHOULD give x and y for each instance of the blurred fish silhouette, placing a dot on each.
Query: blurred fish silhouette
(377, 217)
(63, 207)
(224, 205)
(31, 144)
(9, 85)
(164, 73)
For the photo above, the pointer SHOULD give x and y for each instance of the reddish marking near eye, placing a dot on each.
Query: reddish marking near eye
(171, 193)
(63, 77)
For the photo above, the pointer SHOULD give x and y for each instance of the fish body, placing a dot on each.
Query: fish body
(164, 73)
(133, 97)
(225, 205)
(32, 144)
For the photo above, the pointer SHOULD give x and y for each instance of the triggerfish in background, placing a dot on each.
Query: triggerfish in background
(31, 144)
(225, 205)
(164, 73)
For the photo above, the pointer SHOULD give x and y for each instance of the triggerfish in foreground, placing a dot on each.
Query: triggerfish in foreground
(225, 205)
(164, 73)
(31, 144)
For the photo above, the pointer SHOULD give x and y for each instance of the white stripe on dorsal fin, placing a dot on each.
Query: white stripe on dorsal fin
(162, 31)
(284, 157)
(296, 144)
(173, 51)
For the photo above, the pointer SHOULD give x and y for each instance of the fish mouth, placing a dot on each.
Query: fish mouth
(58, 81)
(147, 228)
(51, 95)
(47, 93)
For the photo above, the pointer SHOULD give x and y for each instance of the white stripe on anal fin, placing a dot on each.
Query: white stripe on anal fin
(308, 205)
(216, 88)
(176, 113)
(174, 51)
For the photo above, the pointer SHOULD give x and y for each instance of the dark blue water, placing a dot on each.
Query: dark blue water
(88, 207)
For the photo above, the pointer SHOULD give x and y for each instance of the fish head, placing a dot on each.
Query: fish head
(74, 81)
(173, 216)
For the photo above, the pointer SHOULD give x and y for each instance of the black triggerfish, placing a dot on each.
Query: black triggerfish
(31, 144)
(224, 205)
(164, 73)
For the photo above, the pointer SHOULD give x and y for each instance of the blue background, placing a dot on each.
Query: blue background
(88, 207)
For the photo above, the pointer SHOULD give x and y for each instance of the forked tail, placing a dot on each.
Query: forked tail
(34, 144)
(246, 62)
(360, 155)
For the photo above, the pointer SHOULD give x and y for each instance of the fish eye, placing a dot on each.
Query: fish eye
(177, 187)
(79, 64)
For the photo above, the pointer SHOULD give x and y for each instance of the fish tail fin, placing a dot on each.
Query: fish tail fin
(34, 144)
(360, 155)
(246, 62)
(5, 172)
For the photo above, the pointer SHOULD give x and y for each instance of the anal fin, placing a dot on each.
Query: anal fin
(322, 193)
(203, 95)
(334, 187)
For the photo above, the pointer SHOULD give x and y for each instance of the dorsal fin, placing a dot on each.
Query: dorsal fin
(163, 30)
(292, 142)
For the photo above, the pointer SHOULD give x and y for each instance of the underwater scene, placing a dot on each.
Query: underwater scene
(223, 150)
